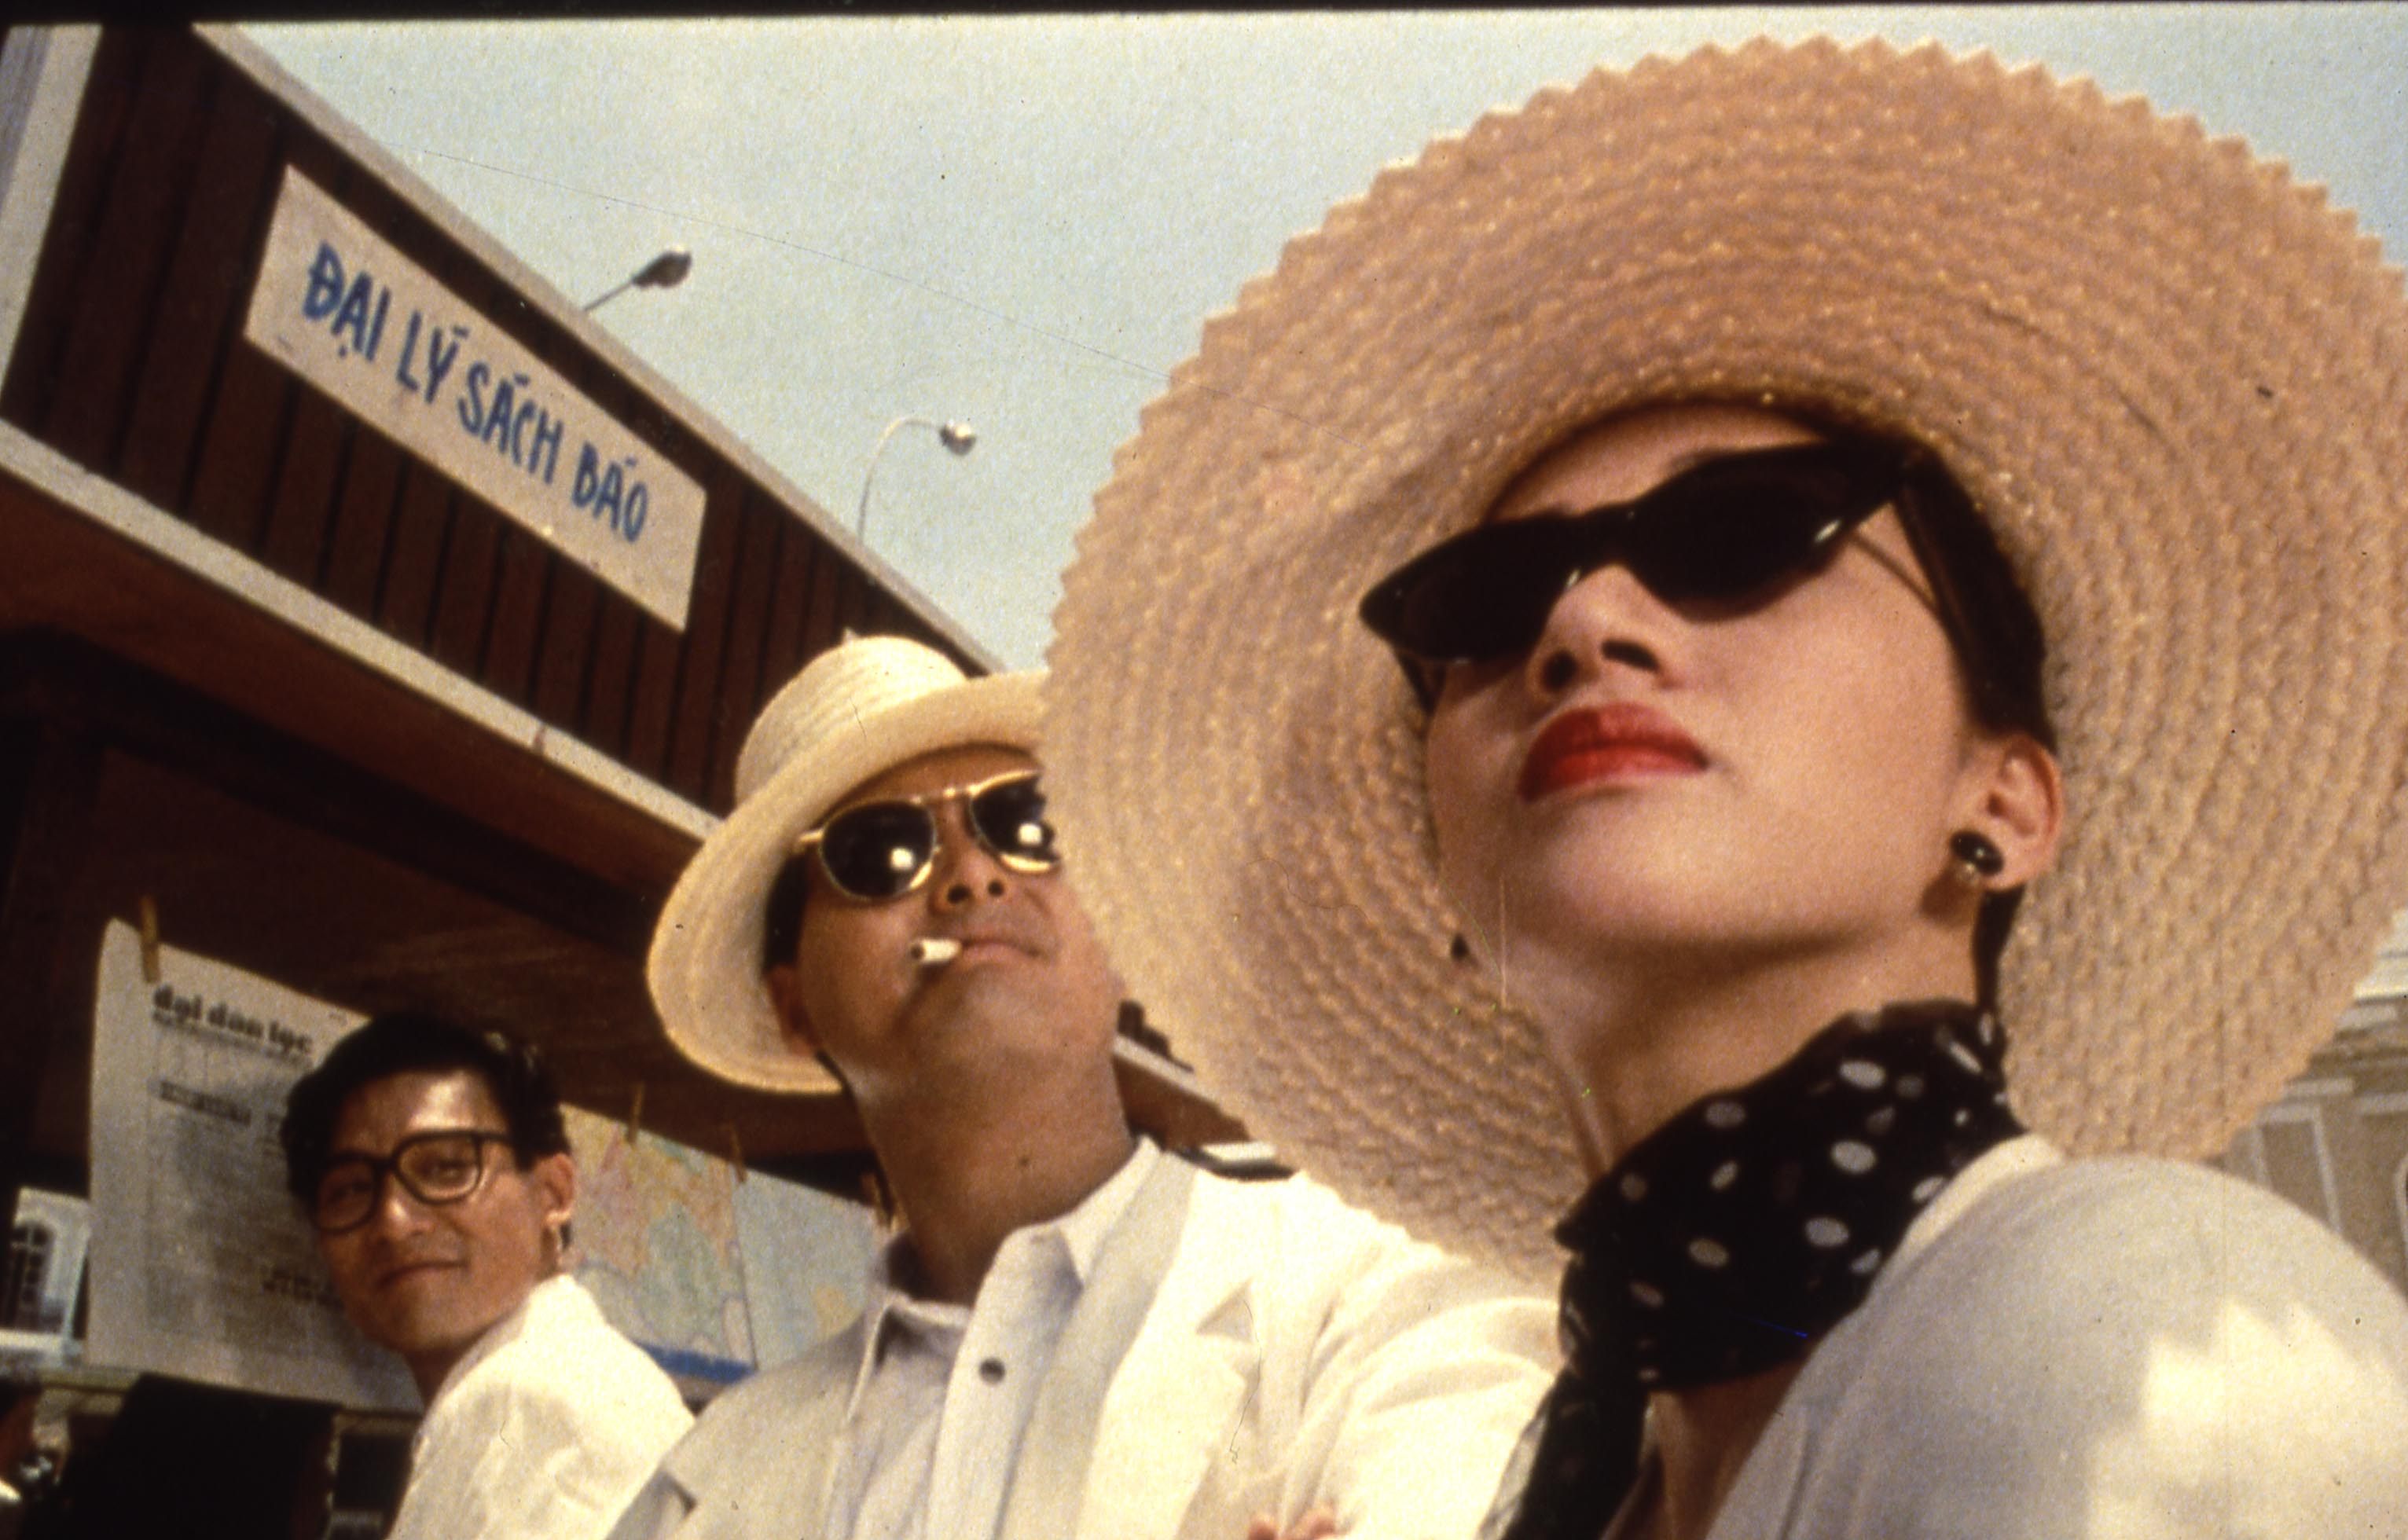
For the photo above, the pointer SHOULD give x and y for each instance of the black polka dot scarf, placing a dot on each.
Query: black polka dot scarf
(1731, 1239)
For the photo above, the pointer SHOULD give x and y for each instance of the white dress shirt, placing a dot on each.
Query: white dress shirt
(1235, 1349)
(2096, 1349)
(944, 1393)
(545, 1431)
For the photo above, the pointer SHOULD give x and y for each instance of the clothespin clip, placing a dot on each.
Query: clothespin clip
(635, 1115)
(147, 910)
(735, 1149)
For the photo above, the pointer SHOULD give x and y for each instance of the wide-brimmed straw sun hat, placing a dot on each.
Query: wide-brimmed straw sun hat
(857, 711)
(2174, 380)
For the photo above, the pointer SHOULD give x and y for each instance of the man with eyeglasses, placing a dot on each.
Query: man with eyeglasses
(1075, 1335)
(433, 1165)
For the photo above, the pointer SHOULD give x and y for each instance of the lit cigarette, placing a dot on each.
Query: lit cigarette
(934, 950)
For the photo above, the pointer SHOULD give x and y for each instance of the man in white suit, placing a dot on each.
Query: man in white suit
(1075, 1337)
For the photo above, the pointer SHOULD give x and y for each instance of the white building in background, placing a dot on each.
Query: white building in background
(2336, 1143)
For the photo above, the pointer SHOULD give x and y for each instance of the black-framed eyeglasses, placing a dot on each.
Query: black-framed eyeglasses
(440, 1166)
(1728, 531)
(883, 850)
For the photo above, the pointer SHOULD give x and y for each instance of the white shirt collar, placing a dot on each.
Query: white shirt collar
(546, 1300)
(1082, 1232)
(1084, 1229)
(2000, 1162)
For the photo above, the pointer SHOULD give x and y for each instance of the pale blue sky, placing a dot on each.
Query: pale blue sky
(1023, 222)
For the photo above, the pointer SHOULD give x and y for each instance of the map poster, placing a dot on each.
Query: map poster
(200, 1266)
(806, 1264)
(712, 1275)
(656, 1248)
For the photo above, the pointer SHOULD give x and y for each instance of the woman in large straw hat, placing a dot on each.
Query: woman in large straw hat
(1815, 493)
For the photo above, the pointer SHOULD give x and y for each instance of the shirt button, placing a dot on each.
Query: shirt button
(991, 1370)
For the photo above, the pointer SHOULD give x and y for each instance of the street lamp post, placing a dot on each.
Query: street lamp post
(666, 271)
(960, 438)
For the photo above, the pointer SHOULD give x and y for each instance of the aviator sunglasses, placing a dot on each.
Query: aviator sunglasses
(1726, 532)
(878, 851)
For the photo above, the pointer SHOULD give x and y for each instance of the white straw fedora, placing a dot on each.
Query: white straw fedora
(2174, 380)
(857, 711)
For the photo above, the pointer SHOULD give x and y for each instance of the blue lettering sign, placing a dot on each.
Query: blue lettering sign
(439, 358)
(325, 285)
(496, 426)
(408, 350)
(607, 499)
(546, 444)
(589, 477)
(472, 397)
(353, 316)
(605, 491)
(518, 431)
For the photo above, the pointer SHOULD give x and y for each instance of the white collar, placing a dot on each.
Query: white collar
(1082, 1232)
(1084, 1229)
(544, 1303)
(1999, 1163)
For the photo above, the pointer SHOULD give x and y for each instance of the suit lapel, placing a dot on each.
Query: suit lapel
(742, 1491)
(1165, 1420)
(1050, 1476)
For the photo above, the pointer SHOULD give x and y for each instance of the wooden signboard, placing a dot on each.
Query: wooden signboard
(346, 311)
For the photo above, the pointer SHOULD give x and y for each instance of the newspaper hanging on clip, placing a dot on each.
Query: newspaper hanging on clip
(201, 1266)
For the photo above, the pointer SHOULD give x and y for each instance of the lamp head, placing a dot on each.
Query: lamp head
(666, 271)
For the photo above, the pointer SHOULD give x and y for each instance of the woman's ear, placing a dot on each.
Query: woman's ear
(2021, 807)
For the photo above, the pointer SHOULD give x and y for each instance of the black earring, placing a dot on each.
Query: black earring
(1974, 861)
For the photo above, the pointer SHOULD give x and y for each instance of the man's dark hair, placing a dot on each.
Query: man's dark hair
(782, 930)
(781, 918)
(418, 1043)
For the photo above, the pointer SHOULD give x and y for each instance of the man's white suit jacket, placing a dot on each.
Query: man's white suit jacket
(1243, 1348)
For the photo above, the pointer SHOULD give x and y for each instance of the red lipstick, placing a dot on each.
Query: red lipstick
(1615, 742)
